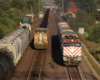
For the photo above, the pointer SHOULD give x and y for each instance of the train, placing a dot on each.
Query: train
(41, 15)
(12, 48)
(30, 15)
(41, 33)
(40, 38)
(27, 19)
(71, 46)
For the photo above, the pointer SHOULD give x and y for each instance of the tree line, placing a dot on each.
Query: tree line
(86, 17)
(13, 11)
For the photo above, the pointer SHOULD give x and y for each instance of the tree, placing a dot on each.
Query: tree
(98, 15)
(84, 17)
(17, 4)
(95, 34)
(1, 33)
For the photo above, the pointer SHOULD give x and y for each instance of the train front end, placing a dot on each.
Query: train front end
(72, 52)
(40, 38)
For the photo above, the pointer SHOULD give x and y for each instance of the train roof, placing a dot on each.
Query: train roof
(41, 30)
(11, 37)
(65, 30)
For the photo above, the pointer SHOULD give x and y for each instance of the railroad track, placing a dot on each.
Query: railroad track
(36, 69)
(74, 73)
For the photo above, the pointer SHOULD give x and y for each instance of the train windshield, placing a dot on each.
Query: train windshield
(41, 31)
(72, 44)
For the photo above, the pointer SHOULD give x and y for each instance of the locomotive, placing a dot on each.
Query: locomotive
(71, 46)
(40, 38)
(12, 48)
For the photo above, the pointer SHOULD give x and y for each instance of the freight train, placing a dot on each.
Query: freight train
(40, 38)
(71, 46)
(28, 19)
(41, 33)
(12, 48)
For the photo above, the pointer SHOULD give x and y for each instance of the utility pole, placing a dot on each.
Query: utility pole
(63, 6)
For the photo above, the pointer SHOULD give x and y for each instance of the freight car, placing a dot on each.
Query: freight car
(11, 49)
(30, 16)
(71, 46)
(26, 20)
(40, 38)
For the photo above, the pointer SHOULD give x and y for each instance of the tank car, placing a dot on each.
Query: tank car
(71, 46)
(11, 49)
(40, 38)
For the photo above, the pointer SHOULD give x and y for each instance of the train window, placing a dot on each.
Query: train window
(36, 31)
(41, 31)
(78, 44)
(72, 44)
(66, 44)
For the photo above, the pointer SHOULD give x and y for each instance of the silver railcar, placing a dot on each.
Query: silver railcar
(11, 49)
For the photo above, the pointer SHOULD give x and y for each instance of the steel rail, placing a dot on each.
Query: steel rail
(69, 74)
(31, 68)
(41, 67)
(79, 73)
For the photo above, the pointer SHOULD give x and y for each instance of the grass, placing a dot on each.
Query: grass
(52, 64)
(94, 65)
(87, 65)
(90, 46)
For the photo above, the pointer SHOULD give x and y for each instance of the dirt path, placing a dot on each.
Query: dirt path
(53, 52)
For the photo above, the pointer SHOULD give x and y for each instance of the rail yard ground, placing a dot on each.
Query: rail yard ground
(35, 64)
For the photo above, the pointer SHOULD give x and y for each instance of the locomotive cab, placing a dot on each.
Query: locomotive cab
(40, 38)
(72, 51)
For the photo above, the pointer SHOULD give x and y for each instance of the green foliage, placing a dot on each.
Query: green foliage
(95, 34)
(52, 64)
(13, 11)
(86, 5)
(17, 4)
(58, 2)
(98, 15)
(3, 30)
(1, 33)
(98, 1)
(83, 19)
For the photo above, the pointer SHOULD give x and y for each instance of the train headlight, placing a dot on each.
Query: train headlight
(65, 59)
(72, 40)
(46, 42)
(35, 41)
(78, 58)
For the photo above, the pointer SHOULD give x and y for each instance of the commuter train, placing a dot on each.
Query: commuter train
(71, 46)
(12, 48)
(40, 38)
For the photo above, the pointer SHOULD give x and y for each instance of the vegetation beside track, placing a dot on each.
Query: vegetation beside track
(90, 59)
(52, 64)
(13, 11)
